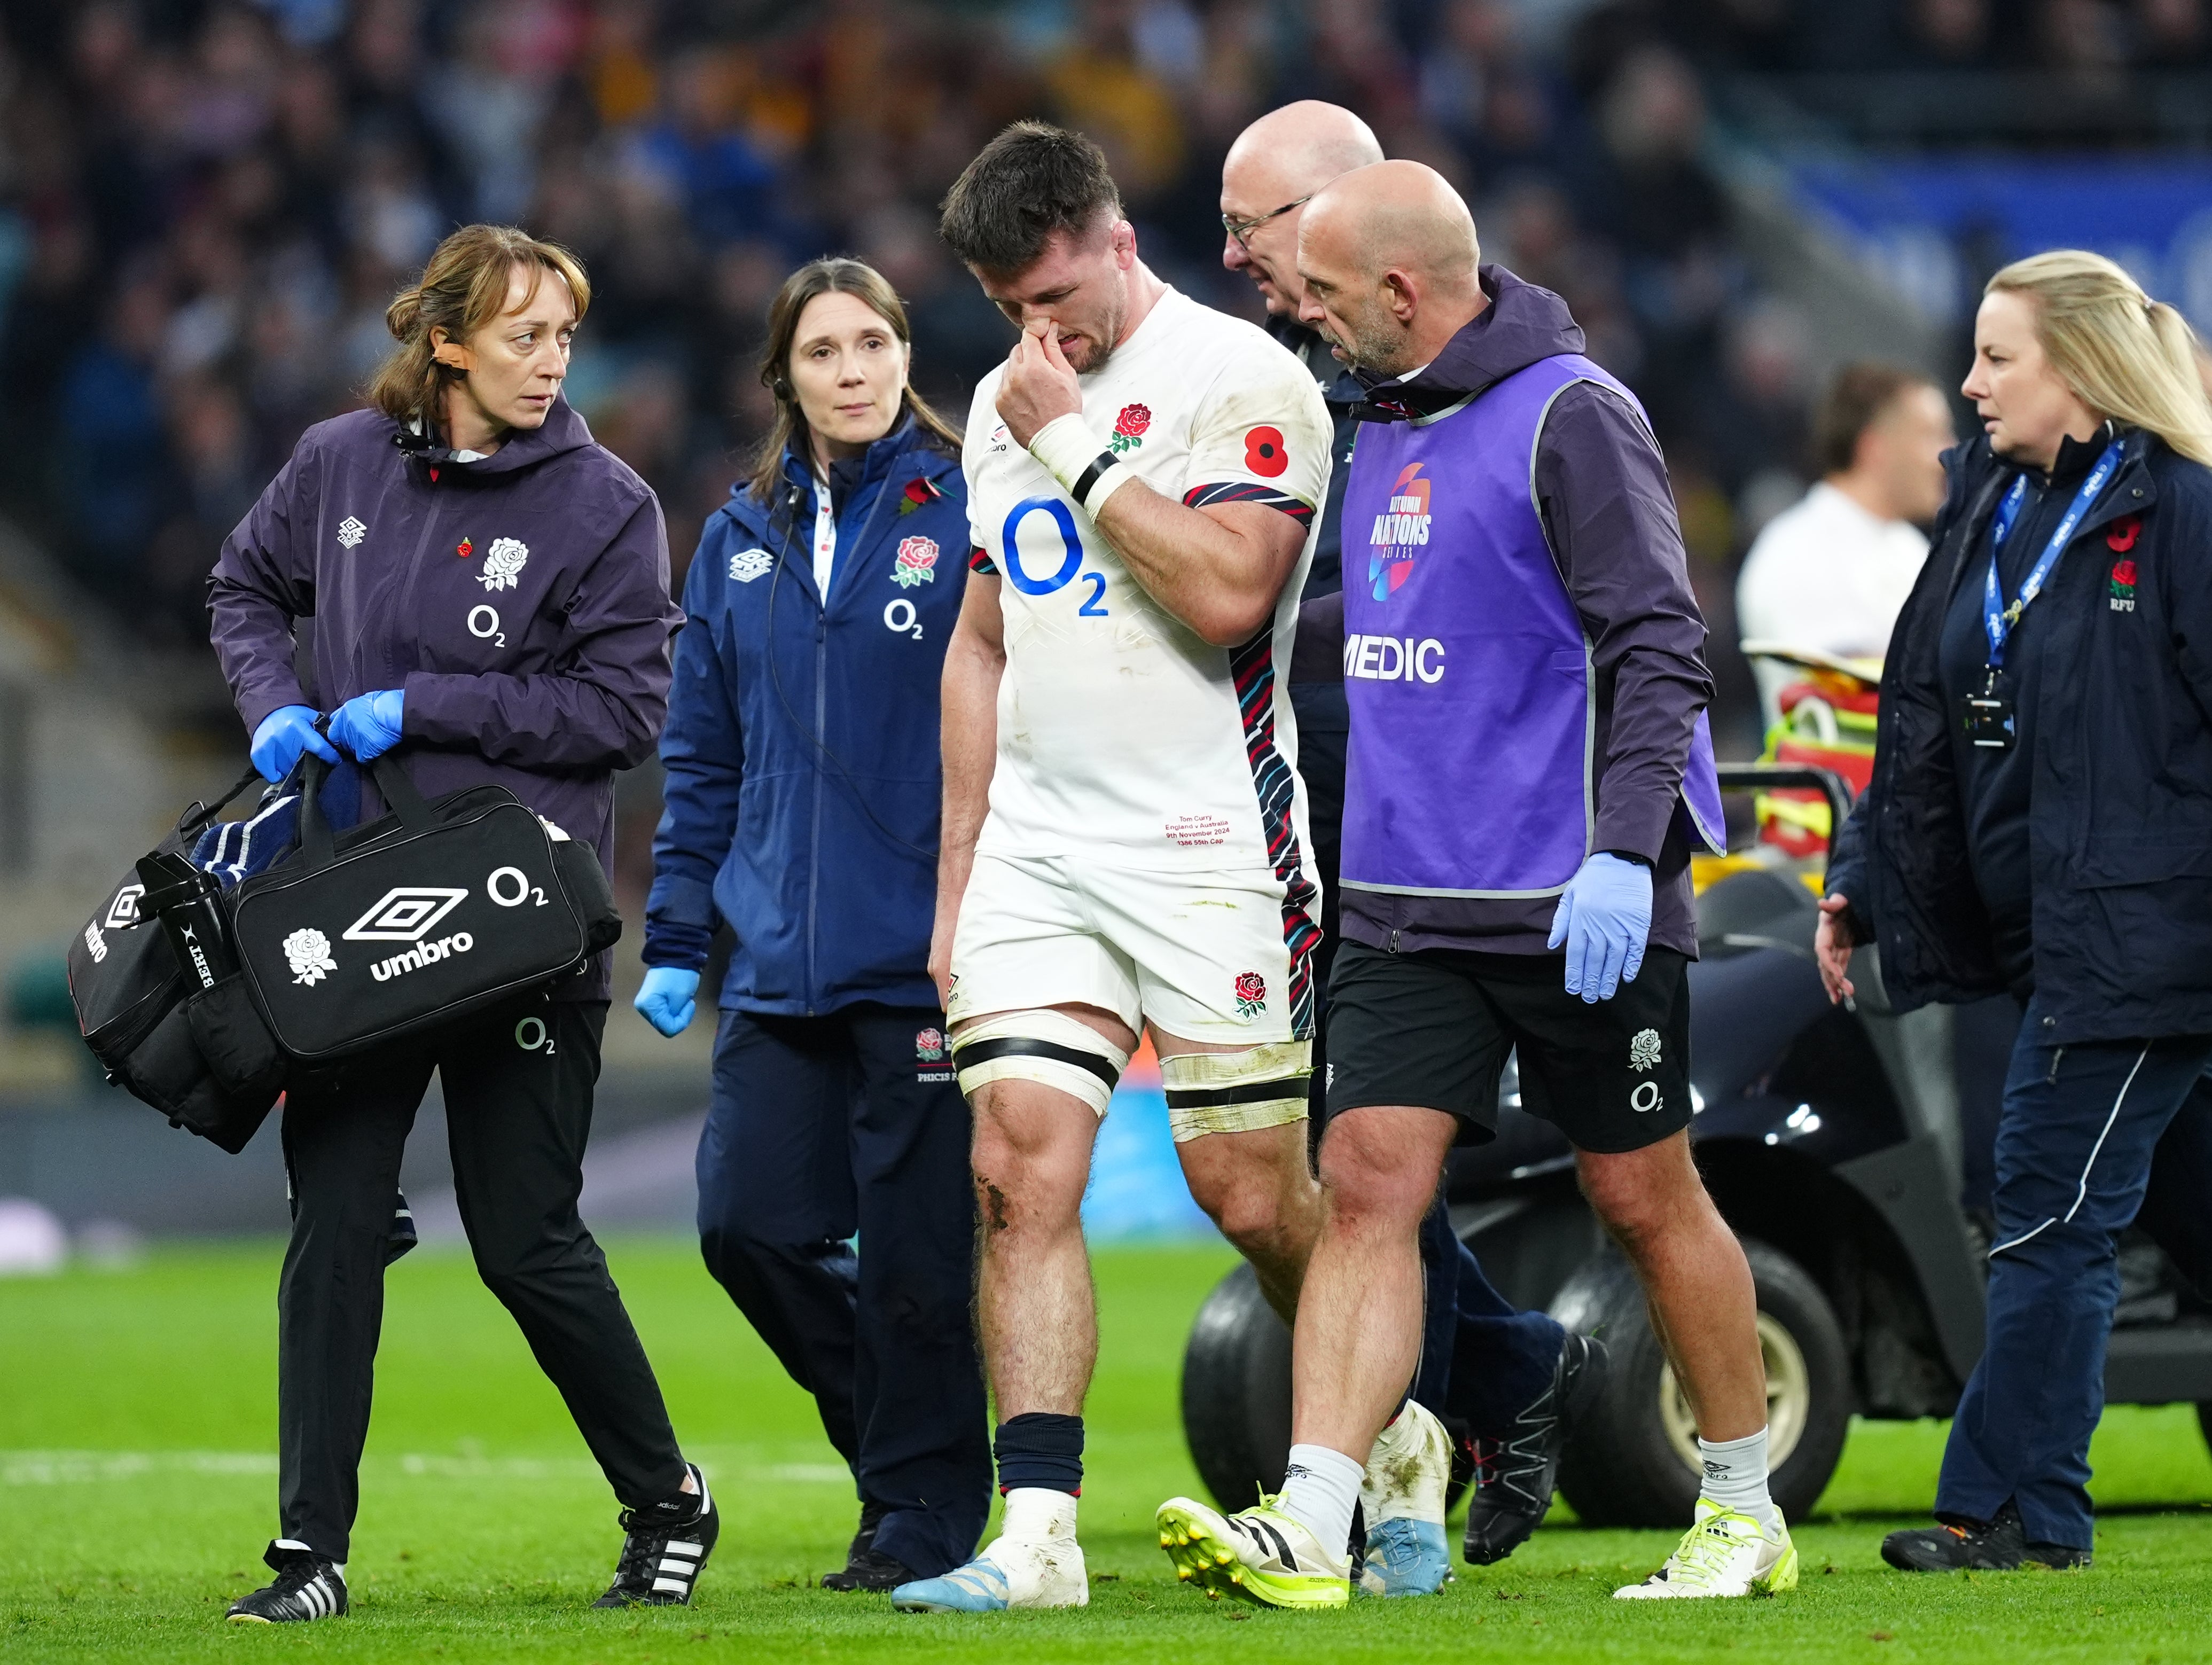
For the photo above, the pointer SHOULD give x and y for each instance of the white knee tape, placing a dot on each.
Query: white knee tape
(1047, 1047)
(1234, 1092)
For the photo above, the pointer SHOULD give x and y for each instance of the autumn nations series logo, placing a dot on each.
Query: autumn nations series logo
(1401, 533)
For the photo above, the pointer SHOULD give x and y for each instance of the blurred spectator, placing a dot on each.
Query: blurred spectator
(1830, 574)
(210, 202)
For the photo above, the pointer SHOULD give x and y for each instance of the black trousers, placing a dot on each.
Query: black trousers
(518, 1085)
(822, 1127)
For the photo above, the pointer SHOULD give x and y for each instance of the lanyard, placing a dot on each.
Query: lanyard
(1997, 619)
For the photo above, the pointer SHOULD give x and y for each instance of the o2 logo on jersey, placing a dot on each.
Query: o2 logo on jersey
(1070, 555)
(1401, 533)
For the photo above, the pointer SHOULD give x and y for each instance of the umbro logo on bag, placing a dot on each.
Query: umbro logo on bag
(124, 910)
(422, 954)
(406, 913)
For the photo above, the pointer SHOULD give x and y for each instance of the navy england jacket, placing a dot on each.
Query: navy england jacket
(2120, 817)
(803, 775)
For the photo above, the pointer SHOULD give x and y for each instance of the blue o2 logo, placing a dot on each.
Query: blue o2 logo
(1094, 605)
(1071, 560)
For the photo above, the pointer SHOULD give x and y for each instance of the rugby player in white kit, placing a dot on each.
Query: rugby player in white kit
(1124, 838)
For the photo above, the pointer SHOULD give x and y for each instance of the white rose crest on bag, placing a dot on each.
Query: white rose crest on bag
(308, 952)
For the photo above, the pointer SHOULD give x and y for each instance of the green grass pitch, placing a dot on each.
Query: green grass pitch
(138, 1487)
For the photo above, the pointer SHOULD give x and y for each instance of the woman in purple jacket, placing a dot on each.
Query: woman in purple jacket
(482, 584)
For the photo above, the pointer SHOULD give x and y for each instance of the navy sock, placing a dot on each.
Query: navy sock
(1042, 1450)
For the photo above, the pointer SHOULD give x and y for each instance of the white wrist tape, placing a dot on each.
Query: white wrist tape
(1087, 471)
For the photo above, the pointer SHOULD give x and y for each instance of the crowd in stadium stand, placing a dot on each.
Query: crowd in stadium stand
(206, 205)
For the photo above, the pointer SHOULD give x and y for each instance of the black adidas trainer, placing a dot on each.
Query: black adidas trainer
(307, 1587)
(664, 1547)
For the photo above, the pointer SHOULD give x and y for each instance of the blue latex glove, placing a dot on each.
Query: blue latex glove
(1605, 920)
(368, 725)
(666, 1000)
(285, 733)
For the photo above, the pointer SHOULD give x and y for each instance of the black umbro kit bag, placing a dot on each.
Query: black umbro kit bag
(432, 912)
(142, 1019)
(199, 1001)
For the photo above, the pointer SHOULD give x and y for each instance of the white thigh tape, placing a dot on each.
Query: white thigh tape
(1234, 1092)
(1047, 1047)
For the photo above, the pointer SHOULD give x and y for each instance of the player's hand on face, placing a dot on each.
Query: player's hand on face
(1039, 384)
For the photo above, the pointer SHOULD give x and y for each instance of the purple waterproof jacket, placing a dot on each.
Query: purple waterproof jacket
(1607, 513)
(520, 600)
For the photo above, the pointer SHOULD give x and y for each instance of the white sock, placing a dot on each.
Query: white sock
(1320, 1489)
(1735, 1478)
(1035, 1513)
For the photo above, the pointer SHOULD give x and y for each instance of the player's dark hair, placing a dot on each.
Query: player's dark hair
(833, 275)
(1856, 399)
(1032, 181)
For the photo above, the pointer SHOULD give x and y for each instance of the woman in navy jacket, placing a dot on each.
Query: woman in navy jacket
(802, 800)
(2040, 821)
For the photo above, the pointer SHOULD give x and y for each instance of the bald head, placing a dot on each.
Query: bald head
(1298, 149)
(1276, 163)
(1387, 258)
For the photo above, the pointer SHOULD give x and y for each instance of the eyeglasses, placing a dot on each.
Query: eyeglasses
(1241, 229)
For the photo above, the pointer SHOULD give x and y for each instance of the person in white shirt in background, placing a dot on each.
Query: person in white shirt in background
(1831, 572)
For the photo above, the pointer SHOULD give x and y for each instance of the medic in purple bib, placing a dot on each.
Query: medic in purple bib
(1527, 773)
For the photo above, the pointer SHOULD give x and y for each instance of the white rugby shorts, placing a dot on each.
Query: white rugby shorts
(1214, 956)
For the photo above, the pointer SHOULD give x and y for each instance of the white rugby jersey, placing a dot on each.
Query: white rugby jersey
(1122, 735)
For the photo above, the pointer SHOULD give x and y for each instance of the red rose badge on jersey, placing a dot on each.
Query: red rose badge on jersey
(1264, 452)
(1251, 994)
(916, 562)
(929, 1046)
(2123, 597)
(1129, 427)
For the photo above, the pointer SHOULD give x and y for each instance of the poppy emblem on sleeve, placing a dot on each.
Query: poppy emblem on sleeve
(919, 493)
(2121, 536)
(1264, 452)
(916, 562)
(1129, 427)
(465, 548)
(1251, 994)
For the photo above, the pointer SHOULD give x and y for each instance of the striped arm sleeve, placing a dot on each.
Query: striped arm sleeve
(1245, 491)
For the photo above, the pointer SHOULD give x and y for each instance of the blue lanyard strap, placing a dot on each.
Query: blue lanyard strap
(1997, 619)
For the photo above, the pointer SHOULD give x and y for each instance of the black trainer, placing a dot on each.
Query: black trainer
(307, 1587)
(871, 1569)
(1961, 1542)
(1515, 1476)
(866, 1568)
(663, 1550)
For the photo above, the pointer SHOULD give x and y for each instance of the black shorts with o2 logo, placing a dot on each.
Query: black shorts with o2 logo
(1433, 1030)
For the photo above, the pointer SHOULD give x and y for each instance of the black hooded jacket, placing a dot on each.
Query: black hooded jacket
(2120, 739)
